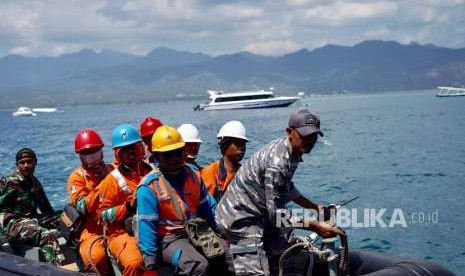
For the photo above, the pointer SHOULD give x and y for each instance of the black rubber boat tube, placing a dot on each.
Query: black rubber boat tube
(370, 263)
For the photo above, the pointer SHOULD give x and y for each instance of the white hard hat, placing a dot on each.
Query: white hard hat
(233, 129)
(189, 133)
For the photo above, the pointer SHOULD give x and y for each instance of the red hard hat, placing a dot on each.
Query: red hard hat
(86, 139)
(149, 125)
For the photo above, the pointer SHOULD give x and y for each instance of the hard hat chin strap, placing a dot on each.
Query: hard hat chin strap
(192, 156)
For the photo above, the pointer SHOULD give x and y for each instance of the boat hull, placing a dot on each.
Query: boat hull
(23, 111)
(362, 262)
(21, 114)
(45, 109)
(450, 95)
(250, 104)
(446, 91)
(368, 263)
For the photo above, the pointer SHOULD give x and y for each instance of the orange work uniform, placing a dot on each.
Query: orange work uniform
(115, 191)
(216, 178)
(83, 194)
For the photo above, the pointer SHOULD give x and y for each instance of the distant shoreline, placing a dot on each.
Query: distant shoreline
(204, 98)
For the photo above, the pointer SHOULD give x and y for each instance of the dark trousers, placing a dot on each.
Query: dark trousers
(183, 257)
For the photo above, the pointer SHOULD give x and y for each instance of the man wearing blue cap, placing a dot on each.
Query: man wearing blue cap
(248, 211)
(117, 198)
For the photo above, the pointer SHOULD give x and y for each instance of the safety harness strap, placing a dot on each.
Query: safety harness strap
(121, 182)
(173, 197)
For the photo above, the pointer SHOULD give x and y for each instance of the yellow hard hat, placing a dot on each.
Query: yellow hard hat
(166, 138)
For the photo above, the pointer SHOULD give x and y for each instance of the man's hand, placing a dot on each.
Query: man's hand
(326, 230)
(326, 212)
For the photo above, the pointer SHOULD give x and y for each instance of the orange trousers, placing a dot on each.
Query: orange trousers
(98, 253)
(124, 248)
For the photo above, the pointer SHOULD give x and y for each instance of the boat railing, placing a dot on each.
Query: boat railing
(215, 92)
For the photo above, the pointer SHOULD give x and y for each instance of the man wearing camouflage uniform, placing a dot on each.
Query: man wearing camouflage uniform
(21, 194)
(247, 213)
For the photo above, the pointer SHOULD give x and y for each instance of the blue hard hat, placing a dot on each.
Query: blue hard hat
(124, 135)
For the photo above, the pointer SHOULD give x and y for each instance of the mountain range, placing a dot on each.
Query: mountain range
(87, 77)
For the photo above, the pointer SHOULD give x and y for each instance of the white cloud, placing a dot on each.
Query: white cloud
(377, 33)
(303, 2)
(17, 25)
(341, 13)
(236, 12)
(277, 47)
(422, 14)
(53, 27)
(21, 50)
(445, 3)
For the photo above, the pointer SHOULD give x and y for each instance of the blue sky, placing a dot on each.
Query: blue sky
(274, 27)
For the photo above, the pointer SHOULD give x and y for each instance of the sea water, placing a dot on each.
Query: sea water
(401, 151)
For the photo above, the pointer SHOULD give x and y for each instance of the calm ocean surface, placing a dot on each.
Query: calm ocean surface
(394, 150)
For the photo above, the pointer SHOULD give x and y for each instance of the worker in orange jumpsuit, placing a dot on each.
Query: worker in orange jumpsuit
(147, 128)
(117, 201)
(83, 194)
(217, 176)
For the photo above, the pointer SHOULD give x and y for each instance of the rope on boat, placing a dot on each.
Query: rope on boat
(291, 248)
(91, 261)
(343, 264)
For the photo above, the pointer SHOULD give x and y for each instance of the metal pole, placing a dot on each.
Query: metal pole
(330, 244)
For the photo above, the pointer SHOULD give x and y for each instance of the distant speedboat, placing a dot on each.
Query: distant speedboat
(23, 111)
(445, 91)
(220, 100)
(45, 109)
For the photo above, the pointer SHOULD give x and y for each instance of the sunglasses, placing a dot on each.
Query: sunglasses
(173, 153)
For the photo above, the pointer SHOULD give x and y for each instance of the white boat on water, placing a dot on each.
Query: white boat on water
(24, 111)
(45, 109)
(445, 91)
(246, 99)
